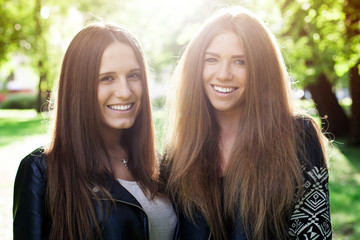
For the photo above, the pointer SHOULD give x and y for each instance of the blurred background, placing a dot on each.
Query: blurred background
(319, 39)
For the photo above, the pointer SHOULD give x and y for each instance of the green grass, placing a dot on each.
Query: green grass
(22, 131)
(345, 191)
(158, 118)
(19, 124)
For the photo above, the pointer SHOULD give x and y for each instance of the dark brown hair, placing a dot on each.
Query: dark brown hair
(264, 172)
(75, 153)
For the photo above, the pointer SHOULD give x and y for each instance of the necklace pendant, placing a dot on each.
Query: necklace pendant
(124, 162)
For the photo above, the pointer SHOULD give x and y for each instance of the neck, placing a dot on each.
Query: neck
(111, 138)
(112, 142)
(229, 124)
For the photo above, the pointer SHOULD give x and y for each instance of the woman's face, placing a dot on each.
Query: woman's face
(224, 73)
(120, 86)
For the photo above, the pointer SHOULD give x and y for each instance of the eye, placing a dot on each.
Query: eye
(240, 62)
(134, 76)
(106, 78)
(211, 60)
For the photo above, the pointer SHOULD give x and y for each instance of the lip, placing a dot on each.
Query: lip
(121, 107)
(223, 89)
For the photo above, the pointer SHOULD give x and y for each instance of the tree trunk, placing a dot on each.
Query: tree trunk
(38, 102)
(352, 12)
(42, 78)
(38, 30)
(333, 117)
(355, 107)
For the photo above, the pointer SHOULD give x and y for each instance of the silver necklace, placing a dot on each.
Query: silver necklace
(123, 160)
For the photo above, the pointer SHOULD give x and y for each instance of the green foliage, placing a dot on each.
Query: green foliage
(10, 34)
(29, 34)
(159, 102)
(312, 34)
(318, 39)
(20, 101)
(17, 26)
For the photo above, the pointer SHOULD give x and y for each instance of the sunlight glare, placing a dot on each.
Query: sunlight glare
(175, 10)
(45, 12)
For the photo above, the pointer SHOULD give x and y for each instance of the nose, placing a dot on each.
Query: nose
(122, 88)
(224, 72)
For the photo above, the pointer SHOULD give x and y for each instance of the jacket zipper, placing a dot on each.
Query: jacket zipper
(148, 219)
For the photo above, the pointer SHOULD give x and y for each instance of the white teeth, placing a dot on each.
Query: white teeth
(223, 90)
(120, 107)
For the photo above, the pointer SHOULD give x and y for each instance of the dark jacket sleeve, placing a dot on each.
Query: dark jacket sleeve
(310, 218)
(29, 198)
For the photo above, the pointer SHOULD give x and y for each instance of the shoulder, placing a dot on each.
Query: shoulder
(310, 143)
(34, 164)
(306, 127)
(29, 197)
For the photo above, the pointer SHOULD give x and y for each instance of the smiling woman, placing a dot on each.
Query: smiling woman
(240, 161)
(102, 152)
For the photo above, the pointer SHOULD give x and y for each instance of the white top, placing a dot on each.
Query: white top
(160, 212)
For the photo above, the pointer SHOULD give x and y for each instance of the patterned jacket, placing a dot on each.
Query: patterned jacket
(310, 216)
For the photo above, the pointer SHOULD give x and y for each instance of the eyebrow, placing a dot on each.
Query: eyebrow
(217, 55)
(131, 71)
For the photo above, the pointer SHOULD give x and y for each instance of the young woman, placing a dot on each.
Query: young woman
(98, 177)
(240, 163)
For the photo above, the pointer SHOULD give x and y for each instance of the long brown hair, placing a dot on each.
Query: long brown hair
(74, 155)
(264, 173)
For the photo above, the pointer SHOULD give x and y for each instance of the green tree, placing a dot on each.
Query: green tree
(24, 30)
(314, 31)
(351, 8)
(26, 26)
(10, 30)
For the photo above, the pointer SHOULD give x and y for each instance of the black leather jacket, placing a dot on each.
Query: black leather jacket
(124, 220)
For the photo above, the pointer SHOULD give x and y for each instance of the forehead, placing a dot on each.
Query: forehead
(118, 55)
(227, 41)
(118, 49)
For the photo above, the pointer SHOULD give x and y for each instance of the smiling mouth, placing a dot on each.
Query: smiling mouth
(223, 89)
(121, 107)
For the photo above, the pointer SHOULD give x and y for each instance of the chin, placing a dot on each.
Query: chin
(123, 125)
(222, 108)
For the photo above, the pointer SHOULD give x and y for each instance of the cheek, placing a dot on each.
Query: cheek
(205, 74)
(242, 76)
(139, 90)
(100, 95)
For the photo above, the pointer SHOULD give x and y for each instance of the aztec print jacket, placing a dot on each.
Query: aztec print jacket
(310, 216)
